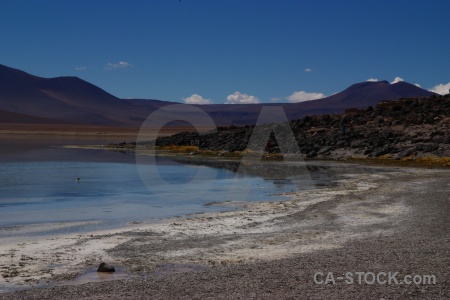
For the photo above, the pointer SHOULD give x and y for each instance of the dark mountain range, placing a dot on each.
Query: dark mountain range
(25, 98)
(66, 100)
(360, 95)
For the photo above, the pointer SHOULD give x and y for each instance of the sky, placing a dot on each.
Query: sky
(215, 51)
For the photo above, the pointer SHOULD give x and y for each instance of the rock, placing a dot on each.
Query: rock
(381, 152)
(418, 140)
(325, 154)
(429, 148)
(395, 150)
(379, 143)
(341, 144)
(325, 150)
(389, 135)
(311, 154)
(408, 152)
(357, 144)
(399, 130)
(368, 151)
(103, 267)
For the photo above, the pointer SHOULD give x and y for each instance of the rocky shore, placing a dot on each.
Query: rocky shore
(394, 221)
(403, 129)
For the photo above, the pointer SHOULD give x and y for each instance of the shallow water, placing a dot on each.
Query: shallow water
(38, 184)
(49, 191)
(92, 275)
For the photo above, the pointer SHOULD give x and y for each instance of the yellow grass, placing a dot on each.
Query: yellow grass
(409, 158)
(427, 159)
(434, 160)
(444, 160)
(186, 149)
(431, 160)
(424, 161)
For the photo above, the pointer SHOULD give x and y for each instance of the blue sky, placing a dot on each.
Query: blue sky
(228, 51)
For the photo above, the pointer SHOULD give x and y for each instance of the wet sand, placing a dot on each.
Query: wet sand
(396, 221)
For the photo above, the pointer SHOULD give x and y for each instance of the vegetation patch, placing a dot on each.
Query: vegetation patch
(181, 149)
(412, 161)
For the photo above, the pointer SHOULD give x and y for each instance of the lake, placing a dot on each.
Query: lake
(38, 184)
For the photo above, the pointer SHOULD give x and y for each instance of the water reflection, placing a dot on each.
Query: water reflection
(38, 184)
(281, 174)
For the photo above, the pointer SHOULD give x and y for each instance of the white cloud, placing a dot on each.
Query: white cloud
(397, 79)
(80, 68)
(418, 85)
(238, 98)
(302, 96)
(372, 79)
(308, 70)
(119, 65)
(441, 89)
(196, 99)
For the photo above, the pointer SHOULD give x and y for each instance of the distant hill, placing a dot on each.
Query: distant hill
(360, 95)
(66, 100)
(26, 98)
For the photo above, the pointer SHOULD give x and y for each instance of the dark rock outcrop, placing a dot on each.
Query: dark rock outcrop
(400, 128)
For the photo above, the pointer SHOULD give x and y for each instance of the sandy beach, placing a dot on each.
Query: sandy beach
(394, 221)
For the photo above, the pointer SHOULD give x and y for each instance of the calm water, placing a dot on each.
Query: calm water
(38, 185)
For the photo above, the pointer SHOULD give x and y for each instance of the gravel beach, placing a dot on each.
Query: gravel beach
(396, 221)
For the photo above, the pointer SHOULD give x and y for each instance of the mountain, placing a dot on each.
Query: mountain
(65, 100)
(11, 117)
(26, 98)
(360, 95)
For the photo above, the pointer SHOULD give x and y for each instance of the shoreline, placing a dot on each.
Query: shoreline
(422, 162)
(260, 232)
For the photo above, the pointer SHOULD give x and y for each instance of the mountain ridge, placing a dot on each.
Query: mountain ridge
(70, 99)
